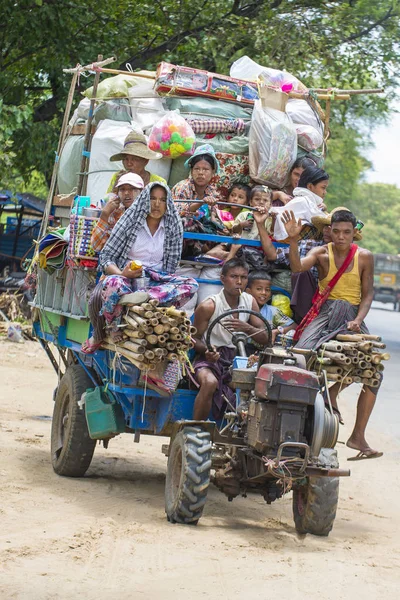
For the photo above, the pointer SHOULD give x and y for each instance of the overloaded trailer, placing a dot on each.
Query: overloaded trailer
(280, 436)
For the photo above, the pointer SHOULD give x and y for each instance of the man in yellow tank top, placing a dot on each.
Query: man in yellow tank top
(347, 306)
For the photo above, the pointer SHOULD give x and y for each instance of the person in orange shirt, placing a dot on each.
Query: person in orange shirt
(127, 188)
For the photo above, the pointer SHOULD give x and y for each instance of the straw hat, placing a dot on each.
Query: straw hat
(131, 179)
(325, 219)
(135, 144)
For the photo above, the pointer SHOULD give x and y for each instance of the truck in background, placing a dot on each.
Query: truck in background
(387, 279)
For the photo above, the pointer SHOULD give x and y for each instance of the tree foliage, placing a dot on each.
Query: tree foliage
(343, 43)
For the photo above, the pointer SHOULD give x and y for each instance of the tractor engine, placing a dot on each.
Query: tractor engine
(280, 408)
(280, 403)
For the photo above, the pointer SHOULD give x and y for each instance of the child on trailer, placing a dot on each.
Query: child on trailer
(259, 286)
(244, 224)
(239, 194)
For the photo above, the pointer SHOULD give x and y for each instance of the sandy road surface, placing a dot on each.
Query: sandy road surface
(107, 533)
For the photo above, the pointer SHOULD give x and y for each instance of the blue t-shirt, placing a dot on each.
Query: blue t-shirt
(275, 316)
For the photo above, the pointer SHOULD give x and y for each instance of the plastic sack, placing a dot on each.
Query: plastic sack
(108, 139)
(308, 137)
(272, 146)
(117, 109)
(14, 333)
(316, 156)
(302, 113)
(70, 164)
(172, 136)
(83, 109)
(246, 68)
(112, 87)
(283, 303)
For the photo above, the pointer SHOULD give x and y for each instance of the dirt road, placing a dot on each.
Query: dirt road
(107, 533)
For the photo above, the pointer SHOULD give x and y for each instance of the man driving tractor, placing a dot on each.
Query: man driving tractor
(212, 367)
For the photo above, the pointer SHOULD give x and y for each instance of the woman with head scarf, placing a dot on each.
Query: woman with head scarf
(308, 202)
(197, 187)
(150, 233)
(135, 155)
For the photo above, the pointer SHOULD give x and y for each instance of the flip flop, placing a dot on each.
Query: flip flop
(365, 454)
(90, 347)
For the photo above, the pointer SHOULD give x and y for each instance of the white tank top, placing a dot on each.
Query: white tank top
(220, 336)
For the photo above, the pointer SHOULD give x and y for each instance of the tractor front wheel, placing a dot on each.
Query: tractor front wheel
(188, 475)
(315, 502)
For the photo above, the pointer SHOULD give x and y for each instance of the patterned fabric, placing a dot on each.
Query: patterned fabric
(282, 254)
(320, 297)
(117, 249)
(114, 178)
(103, 230)
(216, 125)
(275, 316)
(169, 290)
(332, 320)
(234, 168)
(252, 234)
(185, 190)
(223, 373)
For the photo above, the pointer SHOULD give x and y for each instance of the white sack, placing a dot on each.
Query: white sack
(107, 140)
(308, 137)
(301, 113)
(246, 68)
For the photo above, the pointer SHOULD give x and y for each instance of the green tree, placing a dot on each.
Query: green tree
(346, 43)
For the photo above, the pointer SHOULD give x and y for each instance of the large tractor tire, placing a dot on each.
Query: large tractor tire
(315, 503)
(71, 447)
(188, 475)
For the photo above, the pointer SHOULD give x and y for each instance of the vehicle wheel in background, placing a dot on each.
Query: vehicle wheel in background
(71, 447)
(188, 475)
(315, 502)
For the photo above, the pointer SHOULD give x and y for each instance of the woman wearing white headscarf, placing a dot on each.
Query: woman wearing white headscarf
(151, 232)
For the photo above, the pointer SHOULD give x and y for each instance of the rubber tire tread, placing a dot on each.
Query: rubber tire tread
(78, 449)
(320, 498)
(179, 506)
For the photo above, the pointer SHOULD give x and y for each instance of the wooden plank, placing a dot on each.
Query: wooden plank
(81, 129)
(64, 200)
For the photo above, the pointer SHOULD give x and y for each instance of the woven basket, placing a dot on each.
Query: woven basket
(81, 229)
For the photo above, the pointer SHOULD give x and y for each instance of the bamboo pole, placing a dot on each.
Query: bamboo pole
(87, 142)
(91, 67)
(60, 146)
(348, 92)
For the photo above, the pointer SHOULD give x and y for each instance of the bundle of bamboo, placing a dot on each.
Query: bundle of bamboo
(352, 358)
(152, 334)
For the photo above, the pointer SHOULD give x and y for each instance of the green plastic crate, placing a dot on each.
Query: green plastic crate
(104, 415)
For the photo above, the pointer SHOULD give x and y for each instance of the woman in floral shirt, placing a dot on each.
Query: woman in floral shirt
(203, 166)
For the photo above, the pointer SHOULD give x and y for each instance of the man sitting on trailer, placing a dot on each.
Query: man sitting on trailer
(212, 367)
(345, 294)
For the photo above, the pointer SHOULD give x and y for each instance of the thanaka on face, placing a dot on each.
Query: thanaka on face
(260, 289)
